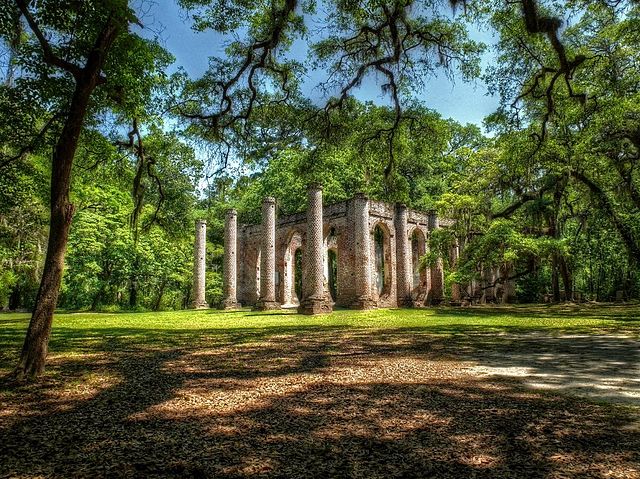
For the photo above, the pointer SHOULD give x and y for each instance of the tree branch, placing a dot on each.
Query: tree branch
(49, 56)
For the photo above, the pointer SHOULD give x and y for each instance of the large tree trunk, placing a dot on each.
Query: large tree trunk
(15, 298)
(133, 283)
(158, 300)
(34, 350)
(552, 221)
(555, 283)
(566, 278)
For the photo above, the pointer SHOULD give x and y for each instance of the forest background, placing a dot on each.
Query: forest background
(549, 184)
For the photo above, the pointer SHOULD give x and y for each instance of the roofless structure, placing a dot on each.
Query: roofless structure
(359, 253)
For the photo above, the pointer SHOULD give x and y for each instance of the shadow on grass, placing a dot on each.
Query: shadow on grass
(609, 311)
(310, 402)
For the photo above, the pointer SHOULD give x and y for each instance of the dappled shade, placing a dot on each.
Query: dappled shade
(269, 395)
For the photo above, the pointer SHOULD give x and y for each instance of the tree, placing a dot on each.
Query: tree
(401, 41)
(76, 56)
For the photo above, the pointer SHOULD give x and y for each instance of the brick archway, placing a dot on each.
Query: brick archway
(293, 250)
(382, 260)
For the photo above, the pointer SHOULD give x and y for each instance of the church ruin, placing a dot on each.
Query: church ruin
(358, 254)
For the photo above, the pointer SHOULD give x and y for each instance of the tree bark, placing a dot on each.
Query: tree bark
(158, 300)
(133, 284)
(15, 298)
(567, 280)
(555, 283)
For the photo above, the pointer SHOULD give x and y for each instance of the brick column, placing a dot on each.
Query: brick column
(456, 296)
(363, 261)
(315, 299)
(267, 299)
(509, 286)
(436, 286)
(199, 265)
(404, 270)
(230, 278)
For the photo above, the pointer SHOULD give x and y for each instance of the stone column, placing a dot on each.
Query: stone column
(509, 286)
(314, 298)
(267, 299)
(456, 296)
(436, 286)
(362, 254)
(230, 278)
(199, 265)
(404, 275)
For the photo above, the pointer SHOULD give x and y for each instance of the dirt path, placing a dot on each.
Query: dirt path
(598, 366)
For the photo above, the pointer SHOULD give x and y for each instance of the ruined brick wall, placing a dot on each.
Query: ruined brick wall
(339, 234)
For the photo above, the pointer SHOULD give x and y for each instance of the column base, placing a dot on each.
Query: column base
(229, 304)
(405, 302)
(200, 305)
(264, 305)
(315, 306)
(433, 299)
(364, 303)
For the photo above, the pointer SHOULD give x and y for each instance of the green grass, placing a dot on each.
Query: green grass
(79, 332)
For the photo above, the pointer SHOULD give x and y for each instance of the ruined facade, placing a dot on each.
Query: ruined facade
(359, 253)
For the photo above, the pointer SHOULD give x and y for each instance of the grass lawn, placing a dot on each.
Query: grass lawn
(545, 391)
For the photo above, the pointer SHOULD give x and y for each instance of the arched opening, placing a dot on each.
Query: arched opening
(418, 250)
(292, 279)
(382, 261)
(333, 274)
(297, 275)
(258, 276)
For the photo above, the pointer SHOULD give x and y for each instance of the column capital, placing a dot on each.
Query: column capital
(315, 185)
(360, 195)
(232, 212)
(269, 200)
(201, 222)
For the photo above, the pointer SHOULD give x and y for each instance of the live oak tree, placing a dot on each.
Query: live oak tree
(602, 133)
(402, 43)
(79, 60)
(567, 147)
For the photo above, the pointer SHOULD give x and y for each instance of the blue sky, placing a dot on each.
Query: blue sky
(464, 102)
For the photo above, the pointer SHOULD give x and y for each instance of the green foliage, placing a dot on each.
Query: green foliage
(568, 205)
(8, 280)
